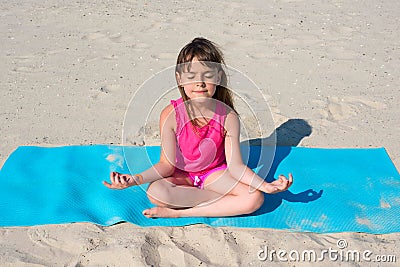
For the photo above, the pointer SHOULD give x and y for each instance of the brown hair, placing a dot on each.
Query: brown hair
(205, 51)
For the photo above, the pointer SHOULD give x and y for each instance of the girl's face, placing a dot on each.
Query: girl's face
(200, 81)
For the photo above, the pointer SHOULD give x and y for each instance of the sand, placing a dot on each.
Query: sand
(70, 69)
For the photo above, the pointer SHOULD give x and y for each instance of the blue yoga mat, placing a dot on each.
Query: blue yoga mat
(335, 190)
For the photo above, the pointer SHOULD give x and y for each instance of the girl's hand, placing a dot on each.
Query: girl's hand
(279, 185)
(120, 181)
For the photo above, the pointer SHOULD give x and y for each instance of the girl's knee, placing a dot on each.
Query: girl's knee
(255, 201)
(155, 201)
(158, 192)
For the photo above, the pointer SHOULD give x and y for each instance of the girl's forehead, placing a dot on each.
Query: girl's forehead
(199, 66)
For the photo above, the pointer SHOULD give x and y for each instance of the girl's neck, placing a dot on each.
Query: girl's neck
(203, 106)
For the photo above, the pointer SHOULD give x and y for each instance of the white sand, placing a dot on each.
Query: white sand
(69, 69)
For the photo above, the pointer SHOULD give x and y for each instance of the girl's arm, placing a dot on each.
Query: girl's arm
(164, 168)
(238, 169)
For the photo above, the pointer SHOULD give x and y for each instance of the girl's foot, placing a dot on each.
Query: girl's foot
(158, 212)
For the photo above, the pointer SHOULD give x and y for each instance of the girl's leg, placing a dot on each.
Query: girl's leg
(235, 198)
(178, 192)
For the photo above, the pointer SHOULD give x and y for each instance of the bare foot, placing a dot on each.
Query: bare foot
(158, 212)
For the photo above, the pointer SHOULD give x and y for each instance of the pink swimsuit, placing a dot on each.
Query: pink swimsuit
(199, 153)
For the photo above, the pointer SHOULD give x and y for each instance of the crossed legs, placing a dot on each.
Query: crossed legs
(222, 196)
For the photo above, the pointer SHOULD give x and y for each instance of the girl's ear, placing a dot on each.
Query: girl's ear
(219, 77)
(178, 78)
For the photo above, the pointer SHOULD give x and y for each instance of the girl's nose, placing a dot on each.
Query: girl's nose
(201, 84)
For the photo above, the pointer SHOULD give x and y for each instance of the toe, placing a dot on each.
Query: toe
(149, 213)
(146, 213)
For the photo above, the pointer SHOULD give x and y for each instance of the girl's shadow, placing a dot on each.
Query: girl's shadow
(262, 155)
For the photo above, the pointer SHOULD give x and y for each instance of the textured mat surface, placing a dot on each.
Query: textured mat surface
(335, 190)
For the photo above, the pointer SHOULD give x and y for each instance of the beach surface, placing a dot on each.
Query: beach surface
(327, 74)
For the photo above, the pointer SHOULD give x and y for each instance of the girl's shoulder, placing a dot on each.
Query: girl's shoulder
(168, 111)
(168, 117)
(232, 121)
(232, 115)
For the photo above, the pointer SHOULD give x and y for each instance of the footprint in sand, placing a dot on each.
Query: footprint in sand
(41, 237)
(149, 250)
(156, 250)
(337, 110)
(188, 252)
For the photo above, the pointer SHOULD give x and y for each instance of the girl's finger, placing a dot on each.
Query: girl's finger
(283, 178)
(112, 177)
(119, 179)
(123, 179)
(107, 184)
(290, 179)
(285, 184)
(130, 179)
(115, 178)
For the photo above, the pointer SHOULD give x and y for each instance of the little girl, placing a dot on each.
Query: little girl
(201, 172)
